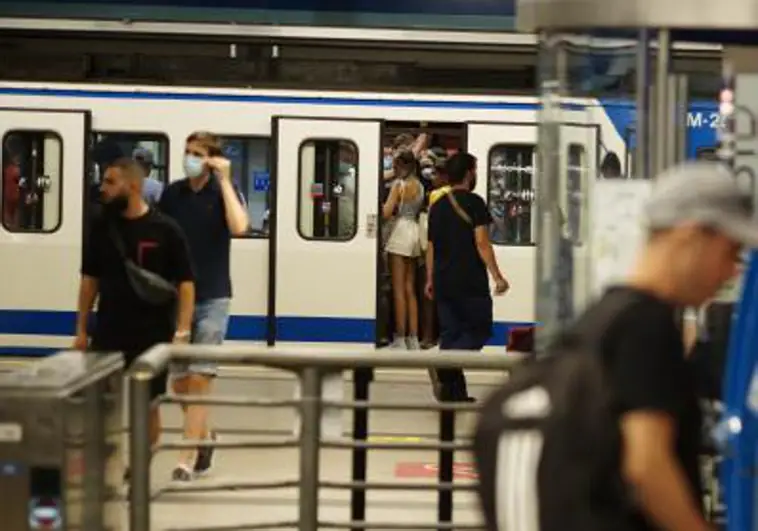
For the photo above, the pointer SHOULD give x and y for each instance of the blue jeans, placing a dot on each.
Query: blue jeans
(465, 324)
(209, 324)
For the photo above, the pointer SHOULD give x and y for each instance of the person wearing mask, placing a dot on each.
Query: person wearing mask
(128, 229)
(404, 247)
(153, 188)
(458, 256)
(210, 210)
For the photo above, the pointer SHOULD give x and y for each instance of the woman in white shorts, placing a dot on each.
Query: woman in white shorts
(403, 205)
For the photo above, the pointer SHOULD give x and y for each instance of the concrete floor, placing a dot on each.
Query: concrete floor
(238, 509)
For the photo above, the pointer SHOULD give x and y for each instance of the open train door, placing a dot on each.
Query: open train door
(507, 158)
(580, 145)
(41, 234)
(323, 230)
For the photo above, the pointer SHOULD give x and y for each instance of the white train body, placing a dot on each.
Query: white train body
(300, 290)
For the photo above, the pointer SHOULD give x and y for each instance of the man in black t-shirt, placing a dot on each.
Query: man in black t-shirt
(126, 323)
(698, 220)
(458, 256)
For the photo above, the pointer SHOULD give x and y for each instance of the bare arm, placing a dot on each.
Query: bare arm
(88, 290)
(236, 215)
(186, 308)
(389, 206)
(650, 466)
(487, 254)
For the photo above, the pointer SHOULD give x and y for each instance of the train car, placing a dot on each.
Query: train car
(309, 165)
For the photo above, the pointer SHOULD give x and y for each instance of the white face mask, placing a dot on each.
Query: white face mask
(194, 166)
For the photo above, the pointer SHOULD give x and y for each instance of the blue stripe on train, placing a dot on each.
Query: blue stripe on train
(241, 328)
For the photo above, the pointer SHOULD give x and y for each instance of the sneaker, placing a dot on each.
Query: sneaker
(412, 343)
(399, 344)
(205, 456)
(181, 473)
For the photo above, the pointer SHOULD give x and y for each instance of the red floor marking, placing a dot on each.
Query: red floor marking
(429, 470)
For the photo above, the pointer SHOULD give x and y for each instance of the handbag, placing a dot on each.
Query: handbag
(149, 286)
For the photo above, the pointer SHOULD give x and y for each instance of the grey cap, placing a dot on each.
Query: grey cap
(144, 156)
(703, 192)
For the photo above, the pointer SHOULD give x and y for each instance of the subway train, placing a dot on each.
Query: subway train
(310, 167)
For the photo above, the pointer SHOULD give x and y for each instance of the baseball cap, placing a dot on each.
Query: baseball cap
(143, 156)
(704, 192)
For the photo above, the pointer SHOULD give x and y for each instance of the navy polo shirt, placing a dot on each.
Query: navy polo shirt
(202, 217)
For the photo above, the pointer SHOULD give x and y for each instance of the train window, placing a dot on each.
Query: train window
(251, 160)
(151, 150)
(575, 176)
(32, 197)
(328, 201)
(511, 193)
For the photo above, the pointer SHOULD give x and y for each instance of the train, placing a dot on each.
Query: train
(308, 272)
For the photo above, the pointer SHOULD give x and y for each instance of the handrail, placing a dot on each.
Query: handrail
(312, 366)
(157, 358)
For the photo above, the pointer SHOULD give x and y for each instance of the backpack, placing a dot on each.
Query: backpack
(547, 443)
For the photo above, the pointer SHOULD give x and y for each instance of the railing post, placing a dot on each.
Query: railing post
(310, 435)
(139, 451)
(361, 380)
(445, 466)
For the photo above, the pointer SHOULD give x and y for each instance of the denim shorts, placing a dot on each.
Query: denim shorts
(209, 326)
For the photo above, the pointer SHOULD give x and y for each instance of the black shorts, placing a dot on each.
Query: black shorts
(158, 385)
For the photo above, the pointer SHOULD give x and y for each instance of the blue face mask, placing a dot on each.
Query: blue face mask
(387, 162)
(193, 166)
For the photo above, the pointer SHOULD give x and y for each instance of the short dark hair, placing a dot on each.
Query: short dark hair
(129, 168)
(458, 166)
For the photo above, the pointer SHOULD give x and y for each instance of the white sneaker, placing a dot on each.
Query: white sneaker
(412, 343)
(399, 344)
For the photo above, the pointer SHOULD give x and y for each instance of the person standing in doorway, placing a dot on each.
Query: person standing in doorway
(210, 210)
(129, 230)
(152, 188)
(458, 256)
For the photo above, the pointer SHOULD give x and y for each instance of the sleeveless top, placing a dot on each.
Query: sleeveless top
(410, 208)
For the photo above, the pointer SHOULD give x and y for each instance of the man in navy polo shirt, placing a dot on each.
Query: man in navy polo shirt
(210, 210)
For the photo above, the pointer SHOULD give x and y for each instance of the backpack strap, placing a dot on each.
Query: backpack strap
(118, 241)
(458, 208)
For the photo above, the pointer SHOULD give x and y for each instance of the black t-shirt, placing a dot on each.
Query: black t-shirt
(458, 269)
(643, 350)
(154, 242)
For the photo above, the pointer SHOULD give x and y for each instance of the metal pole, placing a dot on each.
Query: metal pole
(445, 467)
(642, 134)
(361, 381)
(94, 456)
(548, 224)
(310, 436)
(139, 451)
(660, 139)
(683, 103)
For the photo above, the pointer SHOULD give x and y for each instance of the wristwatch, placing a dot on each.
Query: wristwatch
(182, 334)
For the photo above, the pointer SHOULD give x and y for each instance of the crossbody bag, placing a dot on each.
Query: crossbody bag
(149, 286)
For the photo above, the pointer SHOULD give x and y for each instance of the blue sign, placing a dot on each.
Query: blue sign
(260, 181)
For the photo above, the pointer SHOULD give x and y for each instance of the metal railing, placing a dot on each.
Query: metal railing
(311, 366)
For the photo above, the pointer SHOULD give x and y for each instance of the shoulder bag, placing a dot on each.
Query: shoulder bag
(149, 286)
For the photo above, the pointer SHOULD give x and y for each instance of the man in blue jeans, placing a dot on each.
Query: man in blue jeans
(458, 256)
(210, 210)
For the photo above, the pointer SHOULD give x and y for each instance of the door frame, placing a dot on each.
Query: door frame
(86, 156)
(271, 316)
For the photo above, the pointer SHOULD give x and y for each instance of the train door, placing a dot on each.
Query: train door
(506, 154)
(43, 160)
(579, 167)
(323, 226)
